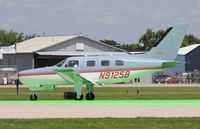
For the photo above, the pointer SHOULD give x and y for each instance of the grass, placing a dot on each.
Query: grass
(106, 93)
(110, 93)
(99, 123)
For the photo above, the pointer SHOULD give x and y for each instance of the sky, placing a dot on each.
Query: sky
(121, 20)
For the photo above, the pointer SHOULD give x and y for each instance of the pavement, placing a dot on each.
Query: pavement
(122, 85)
(99, 109)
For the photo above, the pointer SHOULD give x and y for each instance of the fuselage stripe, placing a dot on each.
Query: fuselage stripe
(88, 71)
(110, 70)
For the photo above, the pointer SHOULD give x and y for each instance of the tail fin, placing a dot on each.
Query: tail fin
(169, 45)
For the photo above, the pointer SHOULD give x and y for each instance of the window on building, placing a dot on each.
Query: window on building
(90, 63)
(119, 62)
(80, 46)
(105, 63)
(72, 63)
(137, 80)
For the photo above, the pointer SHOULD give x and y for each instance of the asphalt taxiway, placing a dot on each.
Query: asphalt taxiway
(100, 109)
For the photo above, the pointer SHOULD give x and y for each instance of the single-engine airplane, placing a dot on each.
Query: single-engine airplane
(91, 70)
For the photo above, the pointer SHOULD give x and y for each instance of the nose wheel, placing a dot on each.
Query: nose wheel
(90, 96)
(33, 97)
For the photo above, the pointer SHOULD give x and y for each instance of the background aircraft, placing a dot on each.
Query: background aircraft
(102, 70)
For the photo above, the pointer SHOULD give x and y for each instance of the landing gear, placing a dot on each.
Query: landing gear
(33, 97)
(90, 88)
(90, 96)
(77, 95)
(80, 98)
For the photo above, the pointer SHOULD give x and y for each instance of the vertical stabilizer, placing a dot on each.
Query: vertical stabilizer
(169, 45)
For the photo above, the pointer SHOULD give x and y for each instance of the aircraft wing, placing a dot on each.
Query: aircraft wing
(71, 75)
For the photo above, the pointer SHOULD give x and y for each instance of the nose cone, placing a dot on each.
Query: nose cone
(14, 76)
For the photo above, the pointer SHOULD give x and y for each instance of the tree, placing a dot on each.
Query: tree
(131, 47)
(147, 40)
(189, 40)
(10, 37)
(150, 39)
(127, 47)
(110, 42)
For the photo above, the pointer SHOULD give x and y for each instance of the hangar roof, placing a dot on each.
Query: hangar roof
(79, 53)
(38, 43)
(186, 50)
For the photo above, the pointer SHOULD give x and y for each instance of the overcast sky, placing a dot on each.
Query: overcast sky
(121, 20)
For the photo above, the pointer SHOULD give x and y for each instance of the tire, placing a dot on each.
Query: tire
(90, 96)
(81, 97)
(33, 97)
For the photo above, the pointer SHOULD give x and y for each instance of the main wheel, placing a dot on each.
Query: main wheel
(33, 97)
(81, 97)
(90, 96)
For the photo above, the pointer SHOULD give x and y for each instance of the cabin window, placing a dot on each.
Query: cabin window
(90, 63)
(72, 63)
(105, 63)
(119, 62)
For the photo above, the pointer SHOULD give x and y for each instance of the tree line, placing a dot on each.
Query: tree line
(150, 39)
(8, 38)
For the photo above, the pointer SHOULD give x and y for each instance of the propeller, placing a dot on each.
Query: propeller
(17, 86)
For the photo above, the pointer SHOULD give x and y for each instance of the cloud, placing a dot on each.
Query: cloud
(157, 15)
(18, 19)
(166, 14)
(22, 4)
(108, 20)
(194, 12)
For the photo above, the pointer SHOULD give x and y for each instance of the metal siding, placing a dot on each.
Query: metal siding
(89, 46)
(146, 79)
(8, 59)
(193, 60)
(25, 61)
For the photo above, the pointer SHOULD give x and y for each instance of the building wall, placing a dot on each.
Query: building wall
(146, 79)
(25, 61)
(8, 59)
(192, 60)
(89, 46)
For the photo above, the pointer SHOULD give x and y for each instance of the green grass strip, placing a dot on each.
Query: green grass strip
(111, 102)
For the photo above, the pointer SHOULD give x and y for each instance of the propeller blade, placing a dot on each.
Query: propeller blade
(17, 86)
(17, 83)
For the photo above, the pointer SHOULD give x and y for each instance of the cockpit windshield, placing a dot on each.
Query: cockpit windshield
(61, 63)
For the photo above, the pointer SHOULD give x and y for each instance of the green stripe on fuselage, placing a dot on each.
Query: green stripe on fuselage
(169, 64)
